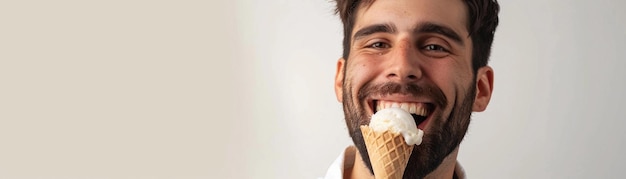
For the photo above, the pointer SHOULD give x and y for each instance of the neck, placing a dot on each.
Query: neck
(359, 170)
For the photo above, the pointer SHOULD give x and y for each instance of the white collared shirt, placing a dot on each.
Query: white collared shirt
(346, 159)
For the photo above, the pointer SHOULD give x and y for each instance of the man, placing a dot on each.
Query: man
(420, 55)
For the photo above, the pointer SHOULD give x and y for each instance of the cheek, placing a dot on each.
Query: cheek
(361, 72)
(444, 80)
(452, 78)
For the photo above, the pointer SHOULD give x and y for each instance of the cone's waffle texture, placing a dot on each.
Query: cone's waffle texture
(388, 153)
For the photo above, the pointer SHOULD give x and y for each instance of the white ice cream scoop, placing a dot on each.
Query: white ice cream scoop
(398, 121)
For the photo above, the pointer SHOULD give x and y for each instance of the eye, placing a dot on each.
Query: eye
(434, 47)
(435, 51)
(378, 45)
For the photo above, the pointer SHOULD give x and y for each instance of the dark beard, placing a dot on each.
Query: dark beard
(444, 135)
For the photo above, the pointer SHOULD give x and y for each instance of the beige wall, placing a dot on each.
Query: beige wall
(119, 89)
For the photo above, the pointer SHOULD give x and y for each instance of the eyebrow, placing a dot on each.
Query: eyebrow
(429, 27)
(426, 27)
(372, 29)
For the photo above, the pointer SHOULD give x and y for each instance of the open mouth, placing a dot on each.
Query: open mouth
(419, 111)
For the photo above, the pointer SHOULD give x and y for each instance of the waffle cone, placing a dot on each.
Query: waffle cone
(388, 153)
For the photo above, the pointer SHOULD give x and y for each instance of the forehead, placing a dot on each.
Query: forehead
(407, 13)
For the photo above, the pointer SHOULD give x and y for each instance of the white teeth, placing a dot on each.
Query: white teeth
(405, 106)
(413, 108)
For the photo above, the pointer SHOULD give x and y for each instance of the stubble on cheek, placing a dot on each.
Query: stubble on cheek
(354, 119)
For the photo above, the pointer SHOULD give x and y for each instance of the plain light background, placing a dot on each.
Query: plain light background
(243, 89)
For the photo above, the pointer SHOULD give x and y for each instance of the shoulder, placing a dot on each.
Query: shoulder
(345, 158)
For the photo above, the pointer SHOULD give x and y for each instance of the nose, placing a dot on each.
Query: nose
(404, 64)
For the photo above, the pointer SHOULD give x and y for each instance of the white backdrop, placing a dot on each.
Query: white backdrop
(243, 89)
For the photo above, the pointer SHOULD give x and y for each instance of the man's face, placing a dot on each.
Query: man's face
(414, 54)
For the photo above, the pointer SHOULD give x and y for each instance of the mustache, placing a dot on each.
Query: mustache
(411, 89)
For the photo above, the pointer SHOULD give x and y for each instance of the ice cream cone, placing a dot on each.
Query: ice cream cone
(388, 153)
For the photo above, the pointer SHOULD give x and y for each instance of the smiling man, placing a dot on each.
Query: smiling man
(428, 57)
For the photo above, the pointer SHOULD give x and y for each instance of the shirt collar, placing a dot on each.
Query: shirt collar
(346, 160)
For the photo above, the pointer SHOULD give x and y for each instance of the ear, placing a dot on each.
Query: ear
(339, 79)
(484, 88)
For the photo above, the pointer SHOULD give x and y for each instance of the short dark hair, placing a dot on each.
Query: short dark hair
(482, 23)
